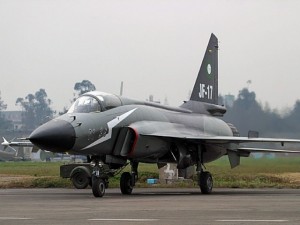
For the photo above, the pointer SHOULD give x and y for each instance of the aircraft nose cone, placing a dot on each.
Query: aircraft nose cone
(56, 136)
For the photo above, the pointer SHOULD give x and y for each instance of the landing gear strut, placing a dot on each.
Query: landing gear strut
(99, 179)
(205, 180)
(127, 181)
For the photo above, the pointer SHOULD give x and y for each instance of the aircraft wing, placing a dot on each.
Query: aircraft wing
(224, 139)
(233, 142)
(180, 132)
(266, 150)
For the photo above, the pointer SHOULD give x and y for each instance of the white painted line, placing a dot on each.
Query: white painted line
(252, 221)
(127, 220)
(14, 218)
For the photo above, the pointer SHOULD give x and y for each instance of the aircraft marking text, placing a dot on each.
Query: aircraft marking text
(206, 91)
(111, 124)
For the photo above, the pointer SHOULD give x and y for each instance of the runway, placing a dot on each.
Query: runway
(150, 206)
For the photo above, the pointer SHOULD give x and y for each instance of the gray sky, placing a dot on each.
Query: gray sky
(155, 47)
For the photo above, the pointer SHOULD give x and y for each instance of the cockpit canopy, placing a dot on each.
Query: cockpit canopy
(95, 102)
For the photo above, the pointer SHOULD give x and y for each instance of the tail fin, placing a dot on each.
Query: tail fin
(206, 86)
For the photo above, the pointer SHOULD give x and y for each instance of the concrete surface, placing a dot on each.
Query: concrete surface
(150, 206)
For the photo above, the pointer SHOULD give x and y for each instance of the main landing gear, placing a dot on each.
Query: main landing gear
(127, 181)
(205, 180)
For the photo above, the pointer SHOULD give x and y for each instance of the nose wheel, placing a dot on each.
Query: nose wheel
(98, 187)
(99, 179)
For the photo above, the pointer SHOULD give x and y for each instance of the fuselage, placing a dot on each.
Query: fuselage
(99, 132)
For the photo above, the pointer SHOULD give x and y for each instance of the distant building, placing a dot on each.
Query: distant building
(15, 117)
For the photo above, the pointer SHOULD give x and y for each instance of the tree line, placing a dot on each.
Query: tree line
(246, 113)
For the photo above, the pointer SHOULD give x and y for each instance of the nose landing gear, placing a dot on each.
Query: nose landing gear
(101, 173)
(98, 187)
(99, 179)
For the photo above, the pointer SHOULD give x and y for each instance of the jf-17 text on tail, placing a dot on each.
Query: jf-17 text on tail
(113, 131)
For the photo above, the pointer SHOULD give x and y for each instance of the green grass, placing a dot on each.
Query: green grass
(252, 173)
(251, 165)
(30, 168)
(256, 173)
(31, 174)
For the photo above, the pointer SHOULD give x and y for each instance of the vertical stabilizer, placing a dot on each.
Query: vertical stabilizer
(206, 86)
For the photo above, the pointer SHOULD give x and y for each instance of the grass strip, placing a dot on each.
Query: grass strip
(252, 173)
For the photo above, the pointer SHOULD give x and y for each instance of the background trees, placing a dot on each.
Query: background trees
(83, 87)
(248, 114)
(4, 124)
(36, 109)
(79, 88)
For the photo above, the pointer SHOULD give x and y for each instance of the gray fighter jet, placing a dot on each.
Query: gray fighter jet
(113, 131)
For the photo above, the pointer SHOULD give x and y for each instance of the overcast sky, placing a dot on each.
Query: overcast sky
(155, 47)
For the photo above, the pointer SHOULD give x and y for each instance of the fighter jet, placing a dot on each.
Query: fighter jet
(113, 131)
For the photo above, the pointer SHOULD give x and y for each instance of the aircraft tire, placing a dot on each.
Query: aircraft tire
(126, 183)
(80, 180)
(98, 187)
(205, 182)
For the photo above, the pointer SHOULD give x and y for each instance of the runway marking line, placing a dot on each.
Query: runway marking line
(127, 220)
(14, 218)
(252, 221)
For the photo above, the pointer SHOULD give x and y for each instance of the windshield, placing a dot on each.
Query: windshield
(85, 104)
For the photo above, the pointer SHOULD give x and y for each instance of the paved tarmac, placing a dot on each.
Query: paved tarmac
(150, 206)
